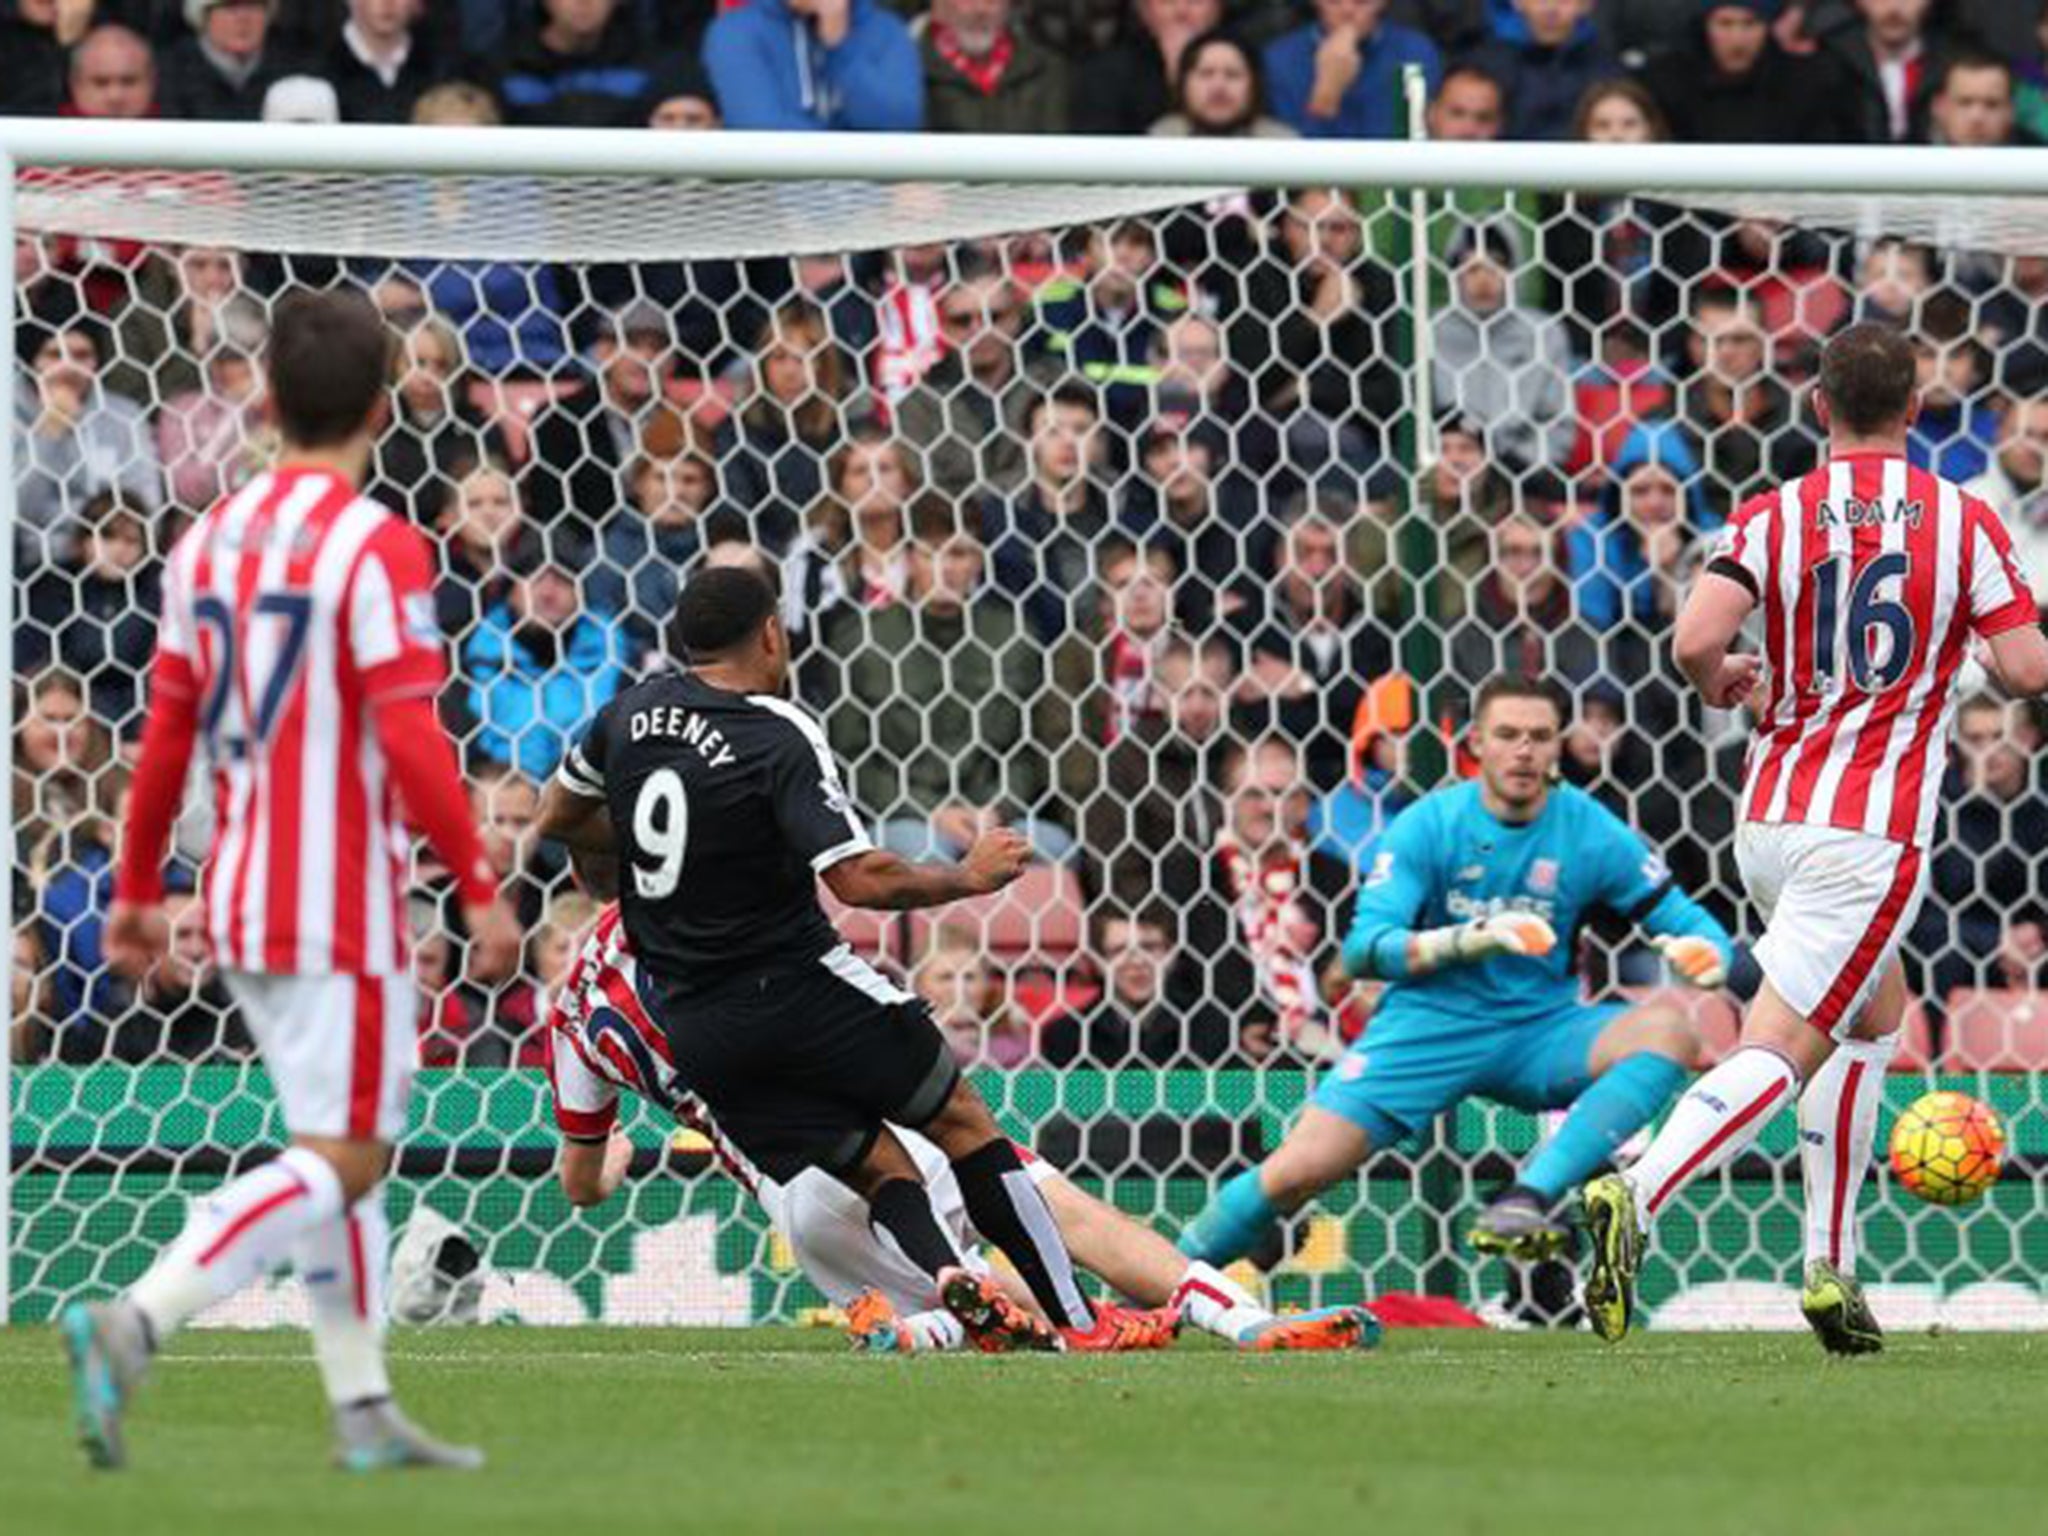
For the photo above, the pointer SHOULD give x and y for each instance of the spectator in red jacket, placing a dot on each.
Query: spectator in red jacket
(113, 75)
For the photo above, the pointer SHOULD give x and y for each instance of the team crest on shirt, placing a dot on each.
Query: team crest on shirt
(1543, 876)
(836, 800)
(1382, 870)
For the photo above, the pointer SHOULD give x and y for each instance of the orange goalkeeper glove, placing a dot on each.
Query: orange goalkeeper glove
(1505, 933)
(1697, 960)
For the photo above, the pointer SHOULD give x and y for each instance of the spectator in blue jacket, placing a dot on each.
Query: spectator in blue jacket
(539, 664)
(64, 815)
(797, 64)
(508, 314)
(1629, 559)
(1546, 70)
(649, 542)
(71, 923)
(584, 65)
(1340, 76)
(1956, 433)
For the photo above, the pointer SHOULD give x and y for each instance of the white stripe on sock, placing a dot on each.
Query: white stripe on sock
(1826, 1166)
(1031, 1209)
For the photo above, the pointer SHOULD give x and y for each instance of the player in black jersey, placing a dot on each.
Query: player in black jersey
(720, 802)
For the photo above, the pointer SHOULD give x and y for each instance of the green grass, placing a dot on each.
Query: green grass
(596, 1432)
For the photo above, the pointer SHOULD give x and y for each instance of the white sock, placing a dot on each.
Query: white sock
(1837, 1127)
(1215, 1303)
(1720, 1115)
(935, 1330)
(343, 1263)
(236, 1235)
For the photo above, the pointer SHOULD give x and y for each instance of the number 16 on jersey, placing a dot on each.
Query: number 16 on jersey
(1880, 641)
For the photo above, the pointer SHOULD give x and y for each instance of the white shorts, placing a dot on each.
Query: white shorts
(341, 1049)
(1836, 907)
(826, 1227)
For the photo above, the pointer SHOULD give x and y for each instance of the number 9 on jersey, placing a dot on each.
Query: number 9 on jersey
(661, 834)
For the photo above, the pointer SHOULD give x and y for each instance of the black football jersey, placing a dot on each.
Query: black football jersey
(726, 807)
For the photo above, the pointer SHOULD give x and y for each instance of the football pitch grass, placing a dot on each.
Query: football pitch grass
(629, 1430)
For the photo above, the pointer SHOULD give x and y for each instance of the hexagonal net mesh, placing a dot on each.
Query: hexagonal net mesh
(1187, 530)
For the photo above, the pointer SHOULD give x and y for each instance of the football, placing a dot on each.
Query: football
(1947, 1148)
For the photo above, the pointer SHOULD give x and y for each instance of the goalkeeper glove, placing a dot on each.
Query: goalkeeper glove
(1505, 933)
(1696, 959)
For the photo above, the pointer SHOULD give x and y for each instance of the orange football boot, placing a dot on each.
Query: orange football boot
(1119, 1330)
(1324, 1328)
(874, 1327)
(995, 1324)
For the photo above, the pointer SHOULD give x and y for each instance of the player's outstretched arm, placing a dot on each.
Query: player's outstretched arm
(423, 767)
(1505, 933)
(1707, 626)
(1385, 945)
(1390, 953)
(137, 935)
(888, 882)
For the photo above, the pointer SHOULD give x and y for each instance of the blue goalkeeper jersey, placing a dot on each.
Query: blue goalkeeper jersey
(1447, 859)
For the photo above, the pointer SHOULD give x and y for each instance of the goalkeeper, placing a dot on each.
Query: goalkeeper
(1467, 913)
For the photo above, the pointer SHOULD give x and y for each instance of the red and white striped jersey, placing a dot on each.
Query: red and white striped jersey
(911, 339)
(602, 1041)
(1870, 576)
(290, 609)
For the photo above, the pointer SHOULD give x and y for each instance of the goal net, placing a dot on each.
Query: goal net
(1175, 524)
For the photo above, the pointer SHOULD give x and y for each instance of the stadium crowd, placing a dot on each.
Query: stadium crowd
(1137, 537)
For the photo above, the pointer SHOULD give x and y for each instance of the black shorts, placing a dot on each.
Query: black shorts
(801, 1066)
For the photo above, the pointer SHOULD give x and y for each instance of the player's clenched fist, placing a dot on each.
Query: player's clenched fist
(1697, 960)
(996, 859)
(1734, 681)
(137, 936)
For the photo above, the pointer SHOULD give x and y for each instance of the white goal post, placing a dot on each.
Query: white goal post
(649, 196)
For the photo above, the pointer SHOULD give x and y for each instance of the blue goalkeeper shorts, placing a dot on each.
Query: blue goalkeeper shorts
(1413, 1065)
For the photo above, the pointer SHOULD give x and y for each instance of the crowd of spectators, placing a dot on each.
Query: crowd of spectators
(1140, 538)
(1708, 71)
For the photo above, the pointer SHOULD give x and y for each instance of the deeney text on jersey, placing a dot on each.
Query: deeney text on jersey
(686, 726)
